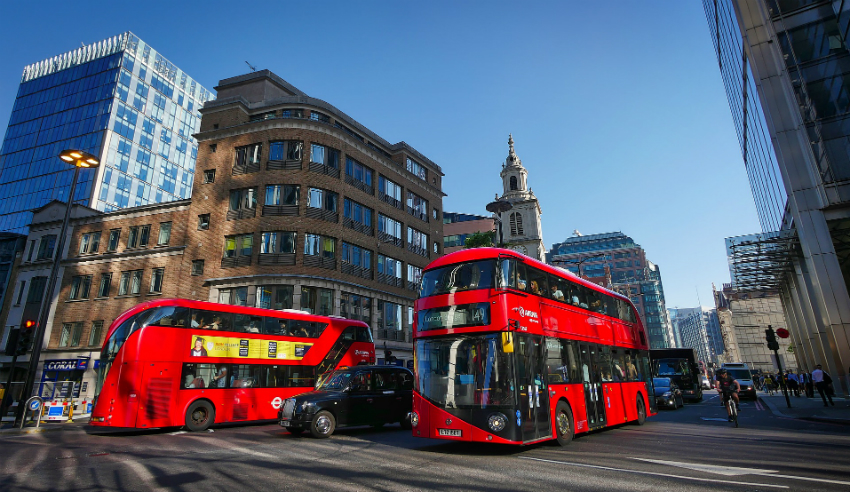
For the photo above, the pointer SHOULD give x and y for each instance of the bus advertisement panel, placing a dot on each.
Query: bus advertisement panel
(175, 362)
(510, 350)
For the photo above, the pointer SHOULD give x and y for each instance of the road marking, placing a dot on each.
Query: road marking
(668, 475)
(143, 473)
(734, 471)
(712, 419)
(177, 433)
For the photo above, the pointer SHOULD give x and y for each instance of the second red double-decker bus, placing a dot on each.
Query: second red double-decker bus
(510, 350)
(175, 362)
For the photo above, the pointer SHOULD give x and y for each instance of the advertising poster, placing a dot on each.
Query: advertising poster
(247, 348)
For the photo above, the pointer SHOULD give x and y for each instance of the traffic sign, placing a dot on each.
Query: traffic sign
(782, 333)
(35, 405)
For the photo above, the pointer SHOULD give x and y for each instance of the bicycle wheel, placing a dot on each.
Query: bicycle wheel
(734, 413)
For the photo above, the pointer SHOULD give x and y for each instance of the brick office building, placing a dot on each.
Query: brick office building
(295, 206)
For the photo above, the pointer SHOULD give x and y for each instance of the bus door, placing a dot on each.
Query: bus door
(592, 386)
(532, 387)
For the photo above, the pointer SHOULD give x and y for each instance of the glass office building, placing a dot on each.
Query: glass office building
(118, 99)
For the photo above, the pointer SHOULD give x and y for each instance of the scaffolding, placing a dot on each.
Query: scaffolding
(762, 262)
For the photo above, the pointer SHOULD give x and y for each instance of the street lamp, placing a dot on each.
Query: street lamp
(499, 207)
(579, 262)
(78, 159)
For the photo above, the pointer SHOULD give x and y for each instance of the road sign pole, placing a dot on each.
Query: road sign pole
(773, 344)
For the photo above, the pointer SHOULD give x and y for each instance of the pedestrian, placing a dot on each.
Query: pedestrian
(793, 384)
(768, 384)
(822, 381)
(810, 388)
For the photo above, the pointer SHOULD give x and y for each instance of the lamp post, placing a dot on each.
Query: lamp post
(579, 262)
(78, 159)
(499, 207)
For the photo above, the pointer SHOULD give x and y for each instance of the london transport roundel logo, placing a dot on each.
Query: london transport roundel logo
(276, 402)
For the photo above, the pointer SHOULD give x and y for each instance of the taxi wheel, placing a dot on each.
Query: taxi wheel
(323, 425)
(564, 424)
(199, 416)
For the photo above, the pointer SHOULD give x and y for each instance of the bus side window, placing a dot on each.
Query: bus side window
(630, 367)
(246, 323)
(618, 363)
(508, 272)
(603, 363)
(538, 284)
(276, 326)
(349, 333)
(521, 277)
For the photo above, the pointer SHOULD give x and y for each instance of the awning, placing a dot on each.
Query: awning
(763, 261)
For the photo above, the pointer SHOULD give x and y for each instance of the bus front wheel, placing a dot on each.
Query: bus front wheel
(200, 416)
(641, 411)
(564, 424)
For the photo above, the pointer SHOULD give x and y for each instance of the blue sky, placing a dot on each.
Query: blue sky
(617, 108)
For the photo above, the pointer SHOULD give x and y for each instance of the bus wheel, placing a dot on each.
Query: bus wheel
(564, 424)
(641, 411)
(323, 425)
(199, 416)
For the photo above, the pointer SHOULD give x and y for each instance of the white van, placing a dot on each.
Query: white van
(741, 373)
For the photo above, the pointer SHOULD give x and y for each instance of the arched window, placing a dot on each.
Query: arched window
(513, 183)
(516, 224)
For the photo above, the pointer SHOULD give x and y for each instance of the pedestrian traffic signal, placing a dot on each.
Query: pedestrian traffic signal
(772, 343)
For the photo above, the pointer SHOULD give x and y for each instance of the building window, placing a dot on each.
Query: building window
(282, 194)
(317, 116)
(138, 237)
(435, 213)
(209, 176)
(358, 175)
(21, 292)
(436, 247)
(197, 267)
(516, 224)
(247, 159)
(389, 230)
(292, 113)
(37, 287)
(243, 199)
(274, 296)
(235, 246)
(319, 154)
(417, 206)
(45, 247)
(389, 320)
(105, 285)
(237, 296)
(357, 256)
(417, 241)
(353, 306)
(513, 183)
(95, 333)
(156, 280)
(358, 214)
(316, 245)
(130, 283)
(114, 236)
(414, 275)
(389, 267)
(89, 242)
(213, 149)
(164, 234)
(316, 300)
(203, 222)
(71, 333)
(277, 242)
(389, 192)
(322, 199)
(286, 150)
(417, 169)
(80, 286)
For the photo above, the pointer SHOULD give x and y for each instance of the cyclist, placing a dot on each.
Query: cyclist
(728, 387)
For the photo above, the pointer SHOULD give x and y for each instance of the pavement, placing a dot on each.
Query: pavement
(78, 424)
(808, 408)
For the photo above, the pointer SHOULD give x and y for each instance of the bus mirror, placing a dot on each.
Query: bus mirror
(507, 342)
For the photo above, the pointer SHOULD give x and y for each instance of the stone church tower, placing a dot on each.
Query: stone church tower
(521, 229)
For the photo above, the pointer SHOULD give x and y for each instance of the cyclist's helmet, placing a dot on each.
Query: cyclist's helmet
(721, 372)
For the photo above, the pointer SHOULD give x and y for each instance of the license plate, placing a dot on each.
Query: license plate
(450, 432)
(284, 423)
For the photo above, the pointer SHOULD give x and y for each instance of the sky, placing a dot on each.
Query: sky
(617, 108)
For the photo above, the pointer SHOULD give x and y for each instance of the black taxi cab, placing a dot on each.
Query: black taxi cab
(360, 395)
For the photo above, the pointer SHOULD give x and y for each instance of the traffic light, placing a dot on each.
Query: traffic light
(12, 342)
(25, 336)
(772, 343)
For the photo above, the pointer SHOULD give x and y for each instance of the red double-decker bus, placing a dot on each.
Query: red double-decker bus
(510, 350)
(175, 362)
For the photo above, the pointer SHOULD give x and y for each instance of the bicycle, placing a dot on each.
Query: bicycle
(731, 408)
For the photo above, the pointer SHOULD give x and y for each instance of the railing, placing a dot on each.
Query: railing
(383, 236)
(357, 226)
(285, 259)
(322, 214)
(418, 250)
(388, 199)
(389, 280)
(241, 213)
(414, 286)
(323, 169)
(418, 215)
(293, 165)
(280, 210)
(235, 261)
(320, 262)
(252, 167)
(360, 185)
(357, 271)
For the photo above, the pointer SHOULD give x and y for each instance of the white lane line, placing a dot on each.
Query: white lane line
(734, 471)
(142, 472)
(668, 475)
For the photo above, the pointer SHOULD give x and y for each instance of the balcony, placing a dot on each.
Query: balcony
(419, 215)
(235, 261)
(384, 237)
(293, 165)
(322, 214)
(357, 226)
(388, 199)
(276, 259)
(323, 169)
(356, 271)
(251, 167)
(360, 185)
(241, 213)
(416, 249)
(389, 280)
(319, 262)
(280, 210)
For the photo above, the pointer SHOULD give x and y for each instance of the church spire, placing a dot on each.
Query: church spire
(512, 160)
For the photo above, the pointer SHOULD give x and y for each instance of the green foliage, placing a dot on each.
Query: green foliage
(479, 240)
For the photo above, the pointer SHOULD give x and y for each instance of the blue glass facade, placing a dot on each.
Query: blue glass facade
(117, 99)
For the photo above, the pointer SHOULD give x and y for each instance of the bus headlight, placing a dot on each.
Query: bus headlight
(497, 422)
(414, 419)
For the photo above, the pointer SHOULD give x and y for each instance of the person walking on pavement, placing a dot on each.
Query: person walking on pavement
(793, 383)
(768, 384)
(822, 381)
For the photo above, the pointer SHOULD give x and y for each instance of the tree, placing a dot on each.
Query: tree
(479, 240)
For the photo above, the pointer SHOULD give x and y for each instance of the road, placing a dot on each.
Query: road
(674, 450)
